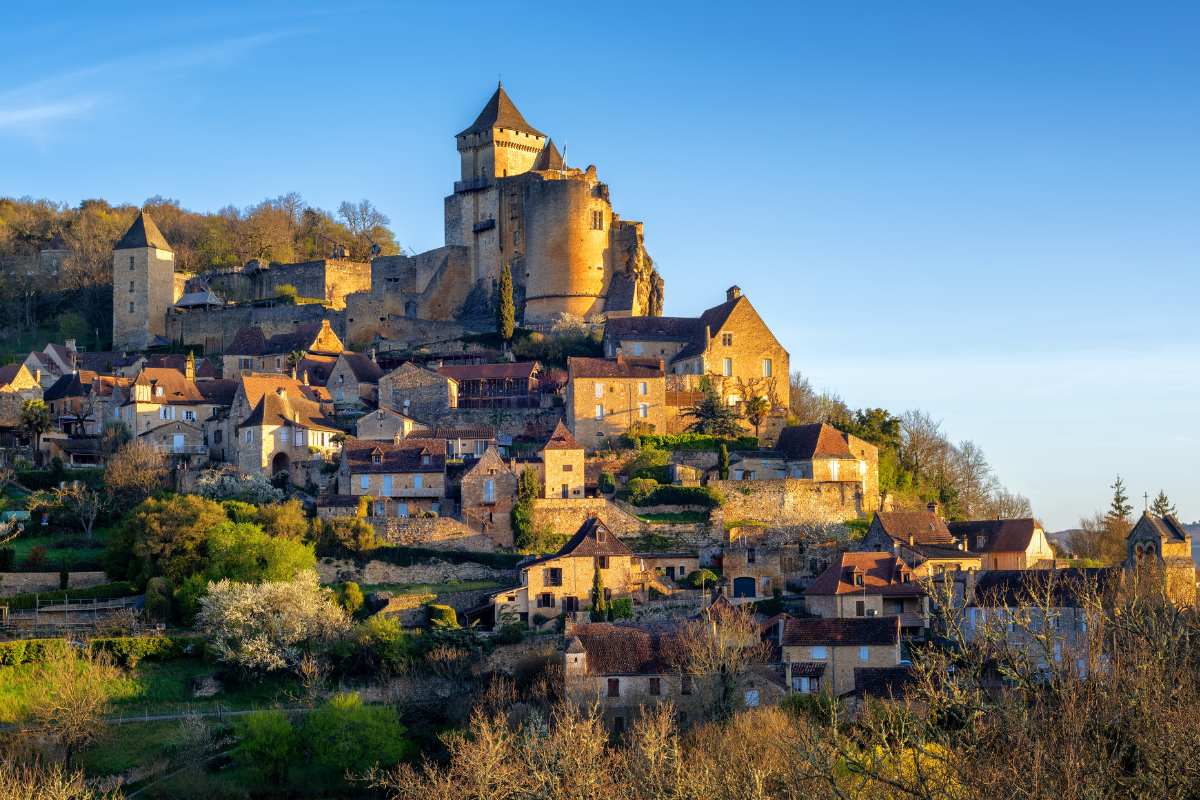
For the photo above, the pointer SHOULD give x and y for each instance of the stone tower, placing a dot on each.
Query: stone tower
(518, 203)
(143, 285)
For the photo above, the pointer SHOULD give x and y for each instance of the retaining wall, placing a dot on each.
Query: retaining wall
(442, 532)
(14, 583)
(380, 572)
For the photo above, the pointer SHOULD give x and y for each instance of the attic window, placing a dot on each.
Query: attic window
(980, 541)
(424, 459)
(858, 579)
(158, 391)
(599, 534)
(906, 577)
(376, 459)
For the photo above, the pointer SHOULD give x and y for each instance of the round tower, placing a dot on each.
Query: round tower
(568, 264)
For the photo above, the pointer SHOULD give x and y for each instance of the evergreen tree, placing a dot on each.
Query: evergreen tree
(1161, 506)
(599, 607)
(1121, 507)
(64, 577)
(505, 314)
(712, 415)
(723, 463)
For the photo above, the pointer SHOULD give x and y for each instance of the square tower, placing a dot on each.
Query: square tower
(143, 285)
(500, 143)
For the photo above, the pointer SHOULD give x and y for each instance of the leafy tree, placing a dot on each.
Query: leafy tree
(73, 325)
(35, 420)
(599, 604)
(1161, 506)
(346, 735)
(286, 293)
(83, 503)
(712, 415)
(285, 520)
(244, 552)
(505, 314)
(270, 742)
(874, 425)
(1120, 508)
(723, 463)
(351, 598)
(757, 409)
(164, 536)
(649, 463)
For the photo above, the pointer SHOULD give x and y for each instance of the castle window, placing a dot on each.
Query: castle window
(131, 286)
(766, 367)
(131, 308)
(131, 262)
(516, 237)
(597, 220)
(727, 339)
(727, 367)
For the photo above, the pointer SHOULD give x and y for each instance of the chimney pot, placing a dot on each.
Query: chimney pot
(732, 293)
(933, 506)
(911, 540)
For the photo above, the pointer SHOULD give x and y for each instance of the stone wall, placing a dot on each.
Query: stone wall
(13, 583)
(792, 503)
(428, 394)
(441, 533)
(534, 422)
(417, 332)
(566, 516)
(383, 573)
(506, 657)
(215, 329)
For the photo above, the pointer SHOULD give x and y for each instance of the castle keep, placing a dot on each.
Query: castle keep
(516, 203)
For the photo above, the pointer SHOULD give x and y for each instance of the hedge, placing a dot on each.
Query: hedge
(681, 496)
(43, 480)
(404, 556)
(101, 592)
(622, 608)
(126, 650)
(697, 441)
(443, 615)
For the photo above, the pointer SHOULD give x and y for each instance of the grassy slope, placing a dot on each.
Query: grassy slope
(78, 559)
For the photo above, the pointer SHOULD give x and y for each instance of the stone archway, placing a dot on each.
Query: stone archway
(280, 463)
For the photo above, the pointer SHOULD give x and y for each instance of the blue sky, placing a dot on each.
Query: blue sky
(984, 210)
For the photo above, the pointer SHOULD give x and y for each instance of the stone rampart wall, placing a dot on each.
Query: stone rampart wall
(536, 422)
(13, 583)
(441, 533)
(215, 329)
(416, 332)
(791, 502)
(383, 573)
(566, 516)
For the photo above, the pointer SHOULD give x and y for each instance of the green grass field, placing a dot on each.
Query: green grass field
(682, 517)
(79, 559)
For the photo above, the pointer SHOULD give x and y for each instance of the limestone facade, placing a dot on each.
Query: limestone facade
(17, 384)
(836, 647)
(605, 397)
(563, 473)
(417, 392)
(402, 477)
(144, 285)
(385, 425)
(489, 492)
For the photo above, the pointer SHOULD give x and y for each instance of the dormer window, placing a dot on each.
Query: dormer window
(858, 579)
(906, 577)
(980, 541)
(599, 534)
(424, 459)
(158, 391)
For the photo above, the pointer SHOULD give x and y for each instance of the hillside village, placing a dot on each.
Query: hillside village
(606, 506)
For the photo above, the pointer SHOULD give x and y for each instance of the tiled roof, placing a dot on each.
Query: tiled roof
(317, 366)
(925, 527)
(586, 543)
(882, 574)
(104, 385)
(452, 433)
(667, 329)
(289, 407)
(100, 361)
(806, 442)
(8, 374)
(630, 648)
(219, 392)
(178, 362)
(893, 682)
(248, 341)
(57, 242)
(942, 551)
(562, 439)
(500, 113)
(808, 669)
(619, 367)
(842, 631)
(143, 233)
(1167, 527)
(1001, 535)
(76, 384)
(1014, 587)
(363, 366)
(299, 340)
(521, 370)
(713, 319)
(337, 501)
(548, 159)
(175, 385)
(403, 456)
(259, 383)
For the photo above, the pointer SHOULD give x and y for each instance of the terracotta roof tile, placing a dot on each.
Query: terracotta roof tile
(586, 543)
(887, 682)
(630, 648)
(276, 408)
(520, 370)
(619, 367)
(926, 527)
(882, 574)
(452, 433)
(842, 631)
(807, 442)
(176, 387)
(403, 456)
(1001, 535)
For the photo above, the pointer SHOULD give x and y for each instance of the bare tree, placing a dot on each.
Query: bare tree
(716, 652)
(1003, 504)
(85, 504)
(137, 471)
(71, 695)
(1100, 537)
(922, 443)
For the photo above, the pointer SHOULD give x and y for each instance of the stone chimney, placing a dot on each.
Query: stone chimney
(779, 624)
(282, 392)
(933, 506)
(306, 377)
(70, 345)
(189, 370)
(732, 293)
(911, 540)
(397, 437)
(37, 376)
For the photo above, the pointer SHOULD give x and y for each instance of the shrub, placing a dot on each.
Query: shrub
(641, 489)
(37, 555)
(607, 483)
(441, 616)
(28, 651)
(8, 558)
(701, 579)
(697, 441)
(129, 650)
(159, 593)
(651, 463)
(351, 598)
(512, 633)
(270, 742)
(286, 294)
(187, 598)
(103, 591)
(621, 608)
(346, 735)
(705, 496)
(378, 646)
(64, 576)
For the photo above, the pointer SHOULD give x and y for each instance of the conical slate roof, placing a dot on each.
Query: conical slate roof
(500, 113)
(143, 233)
(548, 159)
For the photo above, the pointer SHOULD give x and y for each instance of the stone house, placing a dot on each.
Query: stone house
(17, 384)
(223, 425)
(1005, 543)
(354, 380)
(331, 506)
(563, 465)
(821, 452)
(403, 477)
(606, 397)
(202, 370)
(417, 392)
(504, 385)
(754, 571)
(314, 368)
(562, 581)
(71, 404)
(820, 655)
(730, 343)
(870, 585)
(252, 351)
(751, 465)
(1164, 542)
(284, 428)
(383, 424)
(489, 492)
(177, 439)
(673, 566)
(921, 540)
(464, 443)
(219, 394)
(160, 395)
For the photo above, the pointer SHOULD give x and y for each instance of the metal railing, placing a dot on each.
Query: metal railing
(201, 449)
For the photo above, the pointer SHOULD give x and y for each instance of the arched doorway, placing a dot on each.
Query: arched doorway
(743, 587)
(279, 463)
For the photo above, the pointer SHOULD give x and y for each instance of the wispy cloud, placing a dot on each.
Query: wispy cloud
(39, 113)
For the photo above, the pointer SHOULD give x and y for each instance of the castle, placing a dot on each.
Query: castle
(517, 203)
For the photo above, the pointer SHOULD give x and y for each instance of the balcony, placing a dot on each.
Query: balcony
(484, 225)
(399, 493)
(182, 449)
(470, 185)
